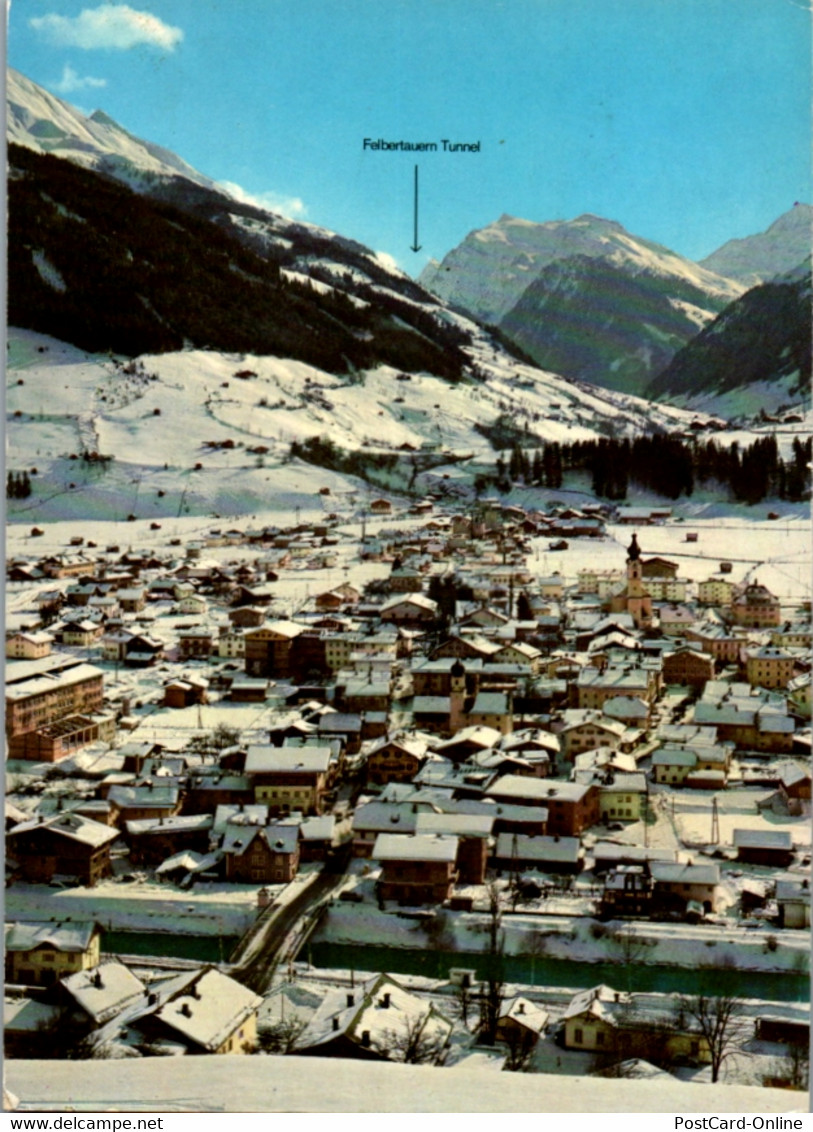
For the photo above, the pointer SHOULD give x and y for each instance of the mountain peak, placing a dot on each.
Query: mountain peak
(770, 254)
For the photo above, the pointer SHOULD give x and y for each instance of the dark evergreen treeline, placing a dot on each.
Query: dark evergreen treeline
(18, 485)
(320, 450)
(667, 466)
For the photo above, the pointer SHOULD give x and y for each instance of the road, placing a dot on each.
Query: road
(262, 949)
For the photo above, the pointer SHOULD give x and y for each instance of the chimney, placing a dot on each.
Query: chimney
(351, 1000)
(365, 1038)
(335, 1024)
(521, 1008)
(385, 1001)
(186, 1010)
(97, 979)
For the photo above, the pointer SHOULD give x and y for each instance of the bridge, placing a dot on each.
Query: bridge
(279, 931)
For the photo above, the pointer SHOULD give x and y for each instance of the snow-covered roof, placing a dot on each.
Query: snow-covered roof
(562, 850)
(104, 991)
(72, 825)
(374, 1014)
(266, 759)
(280, 838)
(461, 825)
(762, 839)
(68, 936)
(208, 1007)
(680, 873)
(424, 847)
(538, 789)
(526, 1013)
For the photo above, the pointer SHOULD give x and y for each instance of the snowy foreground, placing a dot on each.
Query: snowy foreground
(287, 1085)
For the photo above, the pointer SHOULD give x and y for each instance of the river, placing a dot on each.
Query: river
(542, 971)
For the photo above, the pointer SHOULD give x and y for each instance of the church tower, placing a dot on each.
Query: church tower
(457, 696)
(638, 601)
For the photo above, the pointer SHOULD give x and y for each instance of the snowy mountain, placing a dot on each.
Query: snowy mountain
(183, 341)
(582, 296)
(39, 121)
(774, 252)
(756, 357)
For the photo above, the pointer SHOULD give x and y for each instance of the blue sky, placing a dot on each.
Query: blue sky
(688, 121)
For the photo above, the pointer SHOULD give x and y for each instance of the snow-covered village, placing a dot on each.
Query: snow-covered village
(382, 684)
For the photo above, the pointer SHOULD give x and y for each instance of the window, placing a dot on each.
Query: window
(578, 1037)
(599, 1038)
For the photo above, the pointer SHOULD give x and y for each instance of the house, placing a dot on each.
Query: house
(394, 759)
(474, 838)
(687, 666)
(260, 853)
(36, 696)
(548, 854)
(584, 730)
(81, 632)
(621, 796)
(793, 902)
(756, 607)
(627, 892)
(385, 816)
(318, 837)
(268, 649)
(152, 840)
(132, 600)
(417, 869)
(153, 798)
(794, 785)
(371, 1021)
(572, 806)
(95, 996)
(723, 644)
(521, 1022)
(65, 844)
(199, 642)
(678, 764)
(412, 610)
(38, 953)
(247, 617)
(64, 737)
(676, 885)
(770, 666)
(603, 1020)
(29, 645)
(185, 692)
(195, 604)
(771, 847)
(289, 778)
(202, 1012)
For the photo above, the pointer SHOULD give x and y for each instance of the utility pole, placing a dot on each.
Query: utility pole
(715, 822)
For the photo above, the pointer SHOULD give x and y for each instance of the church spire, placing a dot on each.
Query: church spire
(633, 550)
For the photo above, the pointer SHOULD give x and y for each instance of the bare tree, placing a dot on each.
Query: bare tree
(492, 991)
(719, 1020)
(629, 948)
(521, 1045)
(281, 1036)
(415, 1042)
(463, 1002)
(799, 1058)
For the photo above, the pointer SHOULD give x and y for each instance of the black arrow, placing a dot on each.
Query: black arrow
(416, 247)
